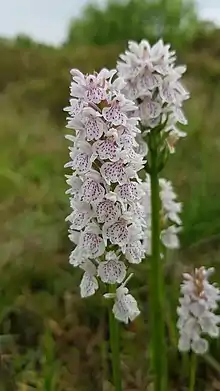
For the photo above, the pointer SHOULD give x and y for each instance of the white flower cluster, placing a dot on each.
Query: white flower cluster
(196, 311)
(106, 223)
(170, 219)
(153, 81)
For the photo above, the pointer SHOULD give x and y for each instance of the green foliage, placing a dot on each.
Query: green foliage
(41, 72)
(24, 41)
(118, 21)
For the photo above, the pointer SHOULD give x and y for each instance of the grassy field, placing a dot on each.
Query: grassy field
(51, 339)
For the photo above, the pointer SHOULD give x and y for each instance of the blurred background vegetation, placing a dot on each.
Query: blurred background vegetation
(50, 339)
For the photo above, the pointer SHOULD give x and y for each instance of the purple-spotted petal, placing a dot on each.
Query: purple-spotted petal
(108, 212)
(106, 149)
(114, 172)
(93, 244)
(118, 233)
(82, 163)
(92, 191)
(112, 271)
(94, 128)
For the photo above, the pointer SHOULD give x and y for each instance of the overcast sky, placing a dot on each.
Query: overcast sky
(47, 20)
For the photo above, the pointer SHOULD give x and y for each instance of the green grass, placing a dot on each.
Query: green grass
(51, 339)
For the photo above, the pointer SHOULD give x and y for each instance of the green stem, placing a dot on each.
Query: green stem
(114, 345)
(104, 347)
(192, 380)
(157, 284)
